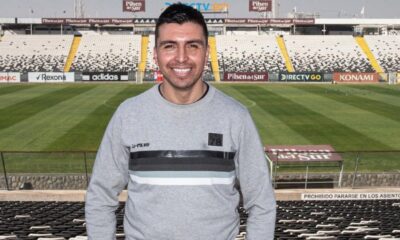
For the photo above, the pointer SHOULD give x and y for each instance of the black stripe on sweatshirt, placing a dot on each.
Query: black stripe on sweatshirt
(191, 160)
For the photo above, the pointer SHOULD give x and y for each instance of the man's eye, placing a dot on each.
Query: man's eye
(168, 46)
(194, 46)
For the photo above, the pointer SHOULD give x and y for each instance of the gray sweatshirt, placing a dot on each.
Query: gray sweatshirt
(180, 164)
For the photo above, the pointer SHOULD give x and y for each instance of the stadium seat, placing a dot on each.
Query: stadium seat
(107, 53)
(241, 53)
(326, 54)
(34, 53)
(386, 50)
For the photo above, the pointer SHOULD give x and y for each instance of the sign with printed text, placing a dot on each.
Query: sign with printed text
(350, 196)
(302, 153)
(270, 21)
(355, 77)
(133, 5)
(260, 5)
(51, 77)
(105, 76)
(246, 76)
(301, 77)
(216, 7)
(10, 77)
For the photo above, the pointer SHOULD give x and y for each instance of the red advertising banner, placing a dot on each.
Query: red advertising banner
(302, 153)
(260, 5)
(342, 77)
(270, 21)
(133, 6)
(246, 76)
(116, 21)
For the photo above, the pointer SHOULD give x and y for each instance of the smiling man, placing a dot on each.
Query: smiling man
(182, 148)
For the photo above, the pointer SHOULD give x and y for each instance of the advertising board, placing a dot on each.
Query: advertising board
(302, 153)
(344, 77)
(51, 77)
(105, 76)
(10, 77)
(260, 5)
(134, 6)
(301, 77)
(246, 76)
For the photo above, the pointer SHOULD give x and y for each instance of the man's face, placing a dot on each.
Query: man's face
(181, 53)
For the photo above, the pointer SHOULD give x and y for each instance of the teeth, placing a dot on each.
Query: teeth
(182, 70)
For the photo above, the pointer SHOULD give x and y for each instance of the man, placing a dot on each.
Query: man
(180, 147)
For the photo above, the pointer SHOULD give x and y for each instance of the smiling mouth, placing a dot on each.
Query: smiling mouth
(181, 71)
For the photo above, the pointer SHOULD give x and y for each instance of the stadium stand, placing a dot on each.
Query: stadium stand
(35, 53)
(260, 54)
(110, 53)
(345, 219)
(386, 49)
(326, 54)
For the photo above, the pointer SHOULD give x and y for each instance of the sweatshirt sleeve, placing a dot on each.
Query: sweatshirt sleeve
(255, 184)
(109, 177)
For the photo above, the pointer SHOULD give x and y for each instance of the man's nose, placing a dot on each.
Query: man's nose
(181, 54)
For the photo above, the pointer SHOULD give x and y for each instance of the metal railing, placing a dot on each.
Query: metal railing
(355, 164)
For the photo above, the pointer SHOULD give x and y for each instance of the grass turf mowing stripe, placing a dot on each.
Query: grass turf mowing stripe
(375, 126)
(13, 88)
(23, 110)
(314, 126)
(374, 106)
(43, 128)
(25, 94)
(87, 134)
(271, 129)
(392, 91)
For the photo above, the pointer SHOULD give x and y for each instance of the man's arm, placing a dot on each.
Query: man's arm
(255, 184)
(109, 177)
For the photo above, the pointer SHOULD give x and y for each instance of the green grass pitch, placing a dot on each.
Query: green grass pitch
(73, 117)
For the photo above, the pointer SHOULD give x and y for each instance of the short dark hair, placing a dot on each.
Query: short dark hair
(180, 13)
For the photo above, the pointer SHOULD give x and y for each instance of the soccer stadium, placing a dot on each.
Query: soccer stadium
(321, 85)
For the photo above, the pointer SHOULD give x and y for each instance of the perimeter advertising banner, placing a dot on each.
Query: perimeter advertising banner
(51, 77)
(10, 77)
(133, 6)
(301, 77)
(115, 21)
(355, 77)
(302, 153)
(260, 5)
(246, 76)
(105, 76)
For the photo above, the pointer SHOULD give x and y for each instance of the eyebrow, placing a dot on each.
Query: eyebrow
(175, 42)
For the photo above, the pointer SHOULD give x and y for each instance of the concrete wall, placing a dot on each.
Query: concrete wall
(78, 181)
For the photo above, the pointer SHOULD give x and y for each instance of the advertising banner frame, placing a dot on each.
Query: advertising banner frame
(133, 5)
(245, 77)
(10, 77)
(317, 77)
(105, 76)
(303, 156)
(355, 77)
(51, 77)
(259, 5)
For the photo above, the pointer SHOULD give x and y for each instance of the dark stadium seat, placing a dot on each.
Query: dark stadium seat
(347, 219)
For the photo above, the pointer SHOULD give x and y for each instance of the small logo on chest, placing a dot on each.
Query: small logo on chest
(215, 139)
(140, 145)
